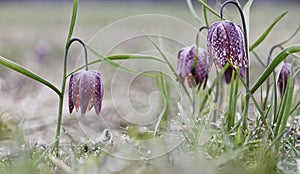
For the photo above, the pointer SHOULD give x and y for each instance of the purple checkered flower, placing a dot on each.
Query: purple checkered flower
(85, 91)
(283, 77)
(225, 43)
(185, 66)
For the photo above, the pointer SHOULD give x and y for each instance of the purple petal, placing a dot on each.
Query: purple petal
(242, 71)
(228, 75)
(98, 91)
(75, 90)
(219, 45)
(185, 61)
(84, 91)
(283, 77)
(71, 104)
(226, 43)
(202, 67)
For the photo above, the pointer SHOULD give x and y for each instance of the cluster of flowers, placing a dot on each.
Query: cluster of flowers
(225, 43)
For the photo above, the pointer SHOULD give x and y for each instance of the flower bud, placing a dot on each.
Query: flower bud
(283, 77)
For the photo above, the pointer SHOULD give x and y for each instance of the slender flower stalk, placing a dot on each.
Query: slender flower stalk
(86, 90)
(268, 80)
(247, 73)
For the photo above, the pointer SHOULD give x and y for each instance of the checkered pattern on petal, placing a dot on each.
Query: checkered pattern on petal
(185, 66)
(185, 61)
(202, 67)
(225, 43)
(86, 91)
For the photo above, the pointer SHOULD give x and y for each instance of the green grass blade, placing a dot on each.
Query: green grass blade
(266, 33)
(279, 58)
(289, 99)
(213, 85)
(285, 108)
(246, 11)
(249, 93)
(171, 67)
(73, 20)
(232, 101)
(162, 121)
(133, 56)
(278, 116)
(16, 67)
(275, 141)
(295, 107)
(119, 57)
(258, 58)
(205, 14)
(275, 94)
(235, 98)
(117, 65)
(209, 8)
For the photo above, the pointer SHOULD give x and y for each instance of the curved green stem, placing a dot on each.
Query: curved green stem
(205, 13)
(197, 43)
(268, 80)
(61, 96)
(85, 53)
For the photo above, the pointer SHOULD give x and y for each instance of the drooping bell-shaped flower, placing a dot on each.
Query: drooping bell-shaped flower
(85, 91)
(283, 77)
(225, 43)
(195, 74)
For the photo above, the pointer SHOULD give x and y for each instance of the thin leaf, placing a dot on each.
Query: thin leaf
(209, 8)
(117, 65)
(295, 107)
(275, 141)
(278, 116)
(246, 11)
(258, 58)
(232, 101)
(119, 57)
(170, 66)
(205, 14)
(266, 33)
(163, 117)
(215, 82)
(289, 98)
(279, 58)
(16, 67)
(73, 20)
(249, 93)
